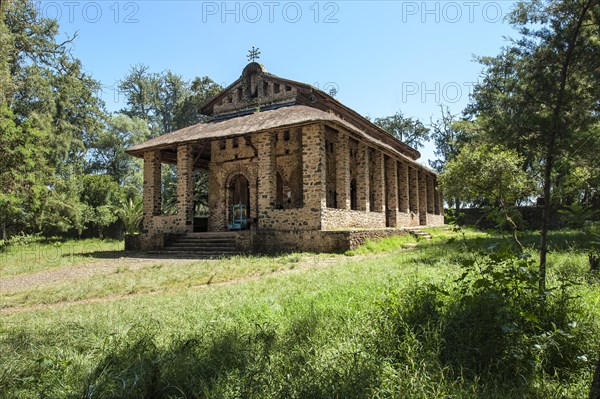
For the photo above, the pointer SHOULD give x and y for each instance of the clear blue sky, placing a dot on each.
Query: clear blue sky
(382, 56)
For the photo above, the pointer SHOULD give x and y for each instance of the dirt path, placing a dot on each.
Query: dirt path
(49, 277)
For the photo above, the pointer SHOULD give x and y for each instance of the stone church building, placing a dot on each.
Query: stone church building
(308, 172)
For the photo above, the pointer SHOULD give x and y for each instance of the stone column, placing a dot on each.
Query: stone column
(152, 185)
(430, 194)
(343, 171)
(422, 197)
(439, 198)
(391, 186)
(362, 178)
(414, 190)
(185, 186)
(378, 183)
(313, 167)
(403, 184)
(267, 173)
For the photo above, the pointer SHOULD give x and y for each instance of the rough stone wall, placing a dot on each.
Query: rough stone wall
(414, 196)
(252, 92)
(155, 225)
(313, 167)
(391, 173)
(343, 171)
(363, 180)
(434, 220)
(230, 158)
(185, 186)
(377, 181)
(312, 161)
(152, 182)
(288, 154)
(331, 166)
(430, 194)
(422, 183)
(332, 219)
(403, 187)
(317, 241)
(437, 198)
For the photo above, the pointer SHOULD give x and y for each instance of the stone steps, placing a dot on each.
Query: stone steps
(201, 246)
(419, 234)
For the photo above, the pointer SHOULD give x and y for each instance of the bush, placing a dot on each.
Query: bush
(493, 325)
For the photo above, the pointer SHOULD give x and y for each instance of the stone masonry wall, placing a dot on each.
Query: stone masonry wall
(317, 241)
(332, 219)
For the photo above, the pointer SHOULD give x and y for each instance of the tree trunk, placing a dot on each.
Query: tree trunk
(555, 132)
(545, 221)
(595, 388)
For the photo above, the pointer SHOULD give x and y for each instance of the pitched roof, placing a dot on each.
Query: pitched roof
(257, 122)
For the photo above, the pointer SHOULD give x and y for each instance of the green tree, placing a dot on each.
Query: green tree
(201, 89)
(541, 93)
(49, 108)
(99, 195)
(165, 100)
(410, 131)
(488, 175)
(24, 171)
(449, 134)
(106, 149)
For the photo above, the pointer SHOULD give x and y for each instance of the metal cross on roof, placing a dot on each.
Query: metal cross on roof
(253, 54)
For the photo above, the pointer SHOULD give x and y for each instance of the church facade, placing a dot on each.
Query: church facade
(303, 169)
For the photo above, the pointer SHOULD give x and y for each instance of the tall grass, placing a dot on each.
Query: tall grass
(366, 328)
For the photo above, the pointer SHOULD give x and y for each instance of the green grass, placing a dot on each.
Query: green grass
(309, 333)
(157, 276)
(41, 255)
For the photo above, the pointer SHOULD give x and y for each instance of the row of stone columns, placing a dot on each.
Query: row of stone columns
(382, 183)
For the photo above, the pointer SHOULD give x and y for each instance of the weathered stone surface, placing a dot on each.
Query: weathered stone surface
(301, 183)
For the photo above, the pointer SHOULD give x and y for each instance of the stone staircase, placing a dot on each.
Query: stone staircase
(202, 246)
(419, 233)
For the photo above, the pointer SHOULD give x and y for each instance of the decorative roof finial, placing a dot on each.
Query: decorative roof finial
(253, 54)
(333, 91)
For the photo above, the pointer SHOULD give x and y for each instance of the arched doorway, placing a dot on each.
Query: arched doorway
(239, 191)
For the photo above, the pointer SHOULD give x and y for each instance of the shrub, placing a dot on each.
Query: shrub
(492, 325)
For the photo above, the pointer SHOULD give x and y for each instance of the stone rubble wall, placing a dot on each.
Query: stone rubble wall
(343, 219)
(316, 241)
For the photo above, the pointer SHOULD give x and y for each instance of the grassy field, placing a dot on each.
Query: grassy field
(106, 324)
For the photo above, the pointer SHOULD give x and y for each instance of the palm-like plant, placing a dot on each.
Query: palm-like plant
(131, 213)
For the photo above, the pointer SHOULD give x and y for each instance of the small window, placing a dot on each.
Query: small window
(288, 88)
(229, 99)
(276, 87)
(275, 137)
(222, 144)
(286, 135)
(234, 142)
(266, 88)
(239, 94)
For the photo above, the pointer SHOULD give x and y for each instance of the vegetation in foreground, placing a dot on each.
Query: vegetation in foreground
(460, 316)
